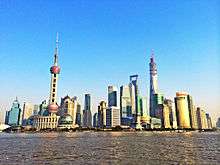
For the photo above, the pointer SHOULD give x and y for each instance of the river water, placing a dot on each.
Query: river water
(110, 148)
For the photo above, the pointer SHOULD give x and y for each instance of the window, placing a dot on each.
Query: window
(53, 89)
(55, 75)
(54, 85)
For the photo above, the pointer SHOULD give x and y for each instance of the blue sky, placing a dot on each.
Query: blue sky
(103, 42)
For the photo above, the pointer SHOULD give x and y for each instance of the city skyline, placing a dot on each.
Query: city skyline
(106, 68)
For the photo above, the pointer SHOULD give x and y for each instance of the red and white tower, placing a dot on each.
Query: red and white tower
(54, 70)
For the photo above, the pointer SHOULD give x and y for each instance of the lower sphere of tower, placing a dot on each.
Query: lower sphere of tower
(53, 108)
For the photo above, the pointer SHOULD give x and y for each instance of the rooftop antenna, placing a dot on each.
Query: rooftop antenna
(56, 50)
(152, 53)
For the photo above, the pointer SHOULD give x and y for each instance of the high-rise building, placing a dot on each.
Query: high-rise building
(201, 118)
(6, 117)
(165, 116)
(125, 105)
(112, 96)
(192, 113)
(182, 110)
(28, 111)
(144, 107)
(158, 100)
(87, 115)
(14, 115)
(68, 106)
(218, 123)
(79, 115)
(54, 70)
(36, 109)
(133, 99)
(153, 84)
(137, 113)
(95, 120)
(209, 121)
(172, 111)
(112, 117)
(102, 114)
(43, 109)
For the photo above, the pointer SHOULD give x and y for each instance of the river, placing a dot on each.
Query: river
(110, 148)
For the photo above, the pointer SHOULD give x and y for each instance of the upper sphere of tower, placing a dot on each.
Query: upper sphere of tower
(55, 70)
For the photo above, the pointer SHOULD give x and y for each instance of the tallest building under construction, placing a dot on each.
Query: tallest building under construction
(153, 83)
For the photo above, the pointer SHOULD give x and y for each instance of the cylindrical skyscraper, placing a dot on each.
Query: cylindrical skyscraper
(153, 84)
(181, 101)
(54, 70)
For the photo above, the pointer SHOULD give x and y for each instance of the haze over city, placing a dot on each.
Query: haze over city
(104, 43)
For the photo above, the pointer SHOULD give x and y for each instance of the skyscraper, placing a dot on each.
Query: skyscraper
(14, 115)
(112, 117)
(144, 107)
(137, 113)
(209, 121)
(201, 118)
(182, 110)
(172, 111)
(192, 113)
(68, 106)
(112, 96)
(153, 84)
(87, 115)
(158, 100)
(125, 105)
(218, 123)
(95, 120)
(102, 114)
(54, 70)
(43, 108)
(28, 111)
(145, 117)
(78, 115)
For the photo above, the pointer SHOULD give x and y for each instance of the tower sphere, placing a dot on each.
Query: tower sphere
(52, 108)
(55, 70)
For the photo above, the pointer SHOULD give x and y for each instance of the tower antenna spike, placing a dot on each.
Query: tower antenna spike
(56, 50)
(57, 40)
(152, 53)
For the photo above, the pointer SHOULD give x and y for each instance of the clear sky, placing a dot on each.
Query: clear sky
(103, 42)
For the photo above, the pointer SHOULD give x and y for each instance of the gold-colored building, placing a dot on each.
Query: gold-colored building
(68, 106)
(102, 114)
(202, 120)
(28, 110)
(181, 102)
(166, 116)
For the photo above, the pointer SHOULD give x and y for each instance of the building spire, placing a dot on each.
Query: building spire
(152, 55)
(56, 51)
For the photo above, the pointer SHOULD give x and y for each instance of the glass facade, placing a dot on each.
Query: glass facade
(112, 96)
(14, 115)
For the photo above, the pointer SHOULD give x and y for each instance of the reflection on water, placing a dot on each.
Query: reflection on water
(110, 148)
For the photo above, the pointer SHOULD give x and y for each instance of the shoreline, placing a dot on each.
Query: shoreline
(106, 130)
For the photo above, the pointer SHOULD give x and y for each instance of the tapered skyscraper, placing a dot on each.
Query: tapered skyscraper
(54, 70)
(153, 84)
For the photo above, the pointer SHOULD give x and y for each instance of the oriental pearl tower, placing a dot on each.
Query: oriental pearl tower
(54, 70)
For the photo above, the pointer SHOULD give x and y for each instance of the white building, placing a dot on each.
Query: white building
(112, 117)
